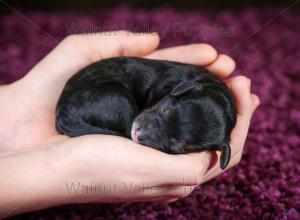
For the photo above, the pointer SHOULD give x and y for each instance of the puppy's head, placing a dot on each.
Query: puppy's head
(190, 119)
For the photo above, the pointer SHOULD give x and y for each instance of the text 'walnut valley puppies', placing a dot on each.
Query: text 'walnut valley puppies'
(173, 107)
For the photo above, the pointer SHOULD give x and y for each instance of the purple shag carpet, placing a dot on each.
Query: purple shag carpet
(266, 184)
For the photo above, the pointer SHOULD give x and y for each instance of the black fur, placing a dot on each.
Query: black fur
(170, 106)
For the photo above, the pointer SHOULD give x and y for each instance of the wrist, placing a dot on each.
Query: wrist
(12, 116)
(30, 181)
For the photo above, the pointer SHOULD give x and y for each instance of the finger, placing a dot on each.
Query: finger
(147, 199)
(240, 87)
(215, 170)
(167, 192)
(171, 200)
(131, 198)
(151, 166)
(161, 193)
(197, 54)
(255, 101)
(185, 169)
(223, 66)
(78, 51)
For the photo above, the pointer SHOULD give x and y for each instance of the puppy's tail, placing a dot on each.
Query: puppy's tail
(225, 156)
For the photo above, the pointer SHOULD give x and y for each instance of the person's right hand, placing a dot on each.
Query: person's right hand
(118, 169)
(139, 173)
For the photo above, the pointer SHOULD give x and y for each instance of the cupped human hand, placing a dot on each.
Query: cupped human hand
(29, 115)
(140, 173)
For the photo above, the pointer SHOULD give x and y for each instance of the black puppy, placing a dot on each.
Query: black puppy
(174, 107)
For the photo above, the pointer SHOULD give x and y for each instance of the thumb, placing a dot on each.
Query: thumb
(184, 169)
(78, 51)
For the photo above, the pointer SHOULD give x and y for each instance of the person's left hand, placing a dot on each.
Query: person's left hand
(29, 110)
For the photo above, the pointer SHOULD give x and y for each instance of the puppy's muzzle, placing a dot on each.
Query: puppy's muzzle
(145, 127)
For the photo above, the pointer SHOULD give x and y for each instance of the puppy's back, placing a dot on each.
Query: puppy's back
(106, 96)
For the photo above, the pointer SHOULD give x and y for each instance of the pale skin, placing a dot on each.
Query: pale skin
(36, 162)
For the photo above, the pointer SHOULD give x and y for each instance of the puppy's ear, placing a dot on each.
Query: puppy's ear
(184, 87)
(225, 156)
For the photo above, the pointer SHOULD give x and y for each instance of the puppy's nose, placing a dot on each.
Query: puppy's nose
(136, 134)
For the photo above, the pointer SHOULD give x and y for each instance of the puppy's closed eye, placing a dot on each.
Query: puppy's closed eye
(166, 110)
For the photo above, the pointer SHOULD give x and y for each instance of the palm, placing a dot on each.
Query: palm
(31, 122)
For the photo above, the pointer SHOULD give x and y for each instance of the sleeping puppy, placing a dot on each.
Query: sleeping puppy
(173, 107)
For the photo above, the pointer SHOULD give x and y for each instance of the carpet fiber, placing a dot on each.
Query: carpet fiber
(266, 182)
